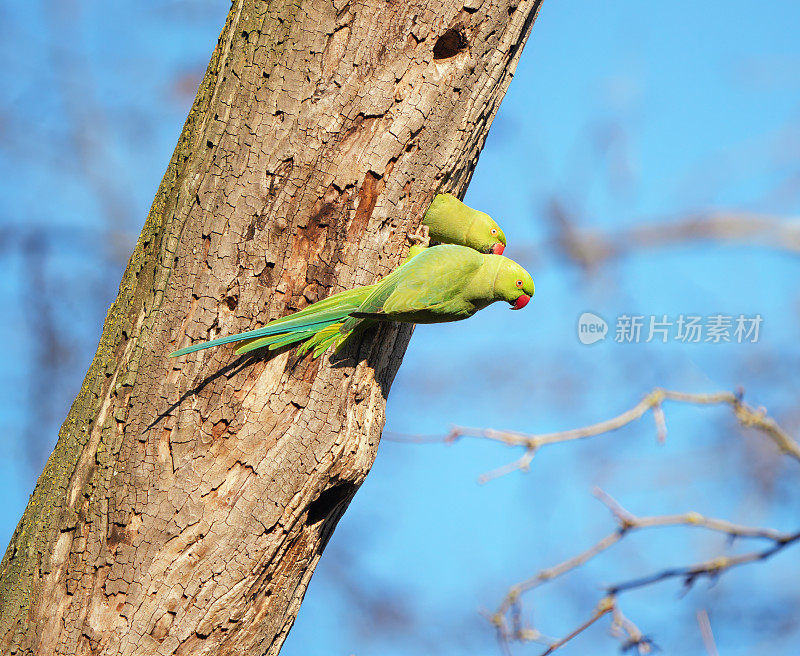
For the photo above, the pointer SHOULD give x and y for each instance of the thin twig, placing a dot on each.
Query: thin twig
(710, 568)
(605, 607)
(705, 631)
(746, 415)
(628, 521)
(629, 634)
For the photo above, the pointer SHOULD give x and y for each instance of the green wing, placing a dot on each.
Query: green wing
(432, 283)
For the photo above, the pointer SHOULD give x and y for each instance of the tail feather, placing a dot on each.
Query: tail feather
(336, 341)
(314, 339)
(277, 341)
(302, 325)
(269, 329)
(323, 339)
(273, 341)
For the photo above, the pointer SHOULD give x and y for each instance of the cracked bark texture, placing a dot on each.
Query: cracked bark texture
(187, 502)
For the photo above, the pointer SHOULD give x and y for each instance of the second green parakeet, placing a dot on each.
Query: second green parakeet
(449, 221)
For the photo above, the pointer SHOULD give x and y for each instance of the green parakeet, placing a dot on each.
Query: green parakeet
(446, 221)
(449, 221)
(442, 283)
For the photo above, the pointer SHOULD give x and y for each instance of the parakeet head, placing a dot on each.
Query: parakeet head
(449, 221)
(513, 284)
(484, 235)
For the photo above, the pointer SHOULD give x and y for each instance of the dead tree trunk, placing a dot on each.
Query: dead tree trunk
(188, 501)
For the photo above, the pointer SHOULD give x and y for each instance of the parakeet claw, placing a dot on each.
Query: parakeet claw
(421, 236)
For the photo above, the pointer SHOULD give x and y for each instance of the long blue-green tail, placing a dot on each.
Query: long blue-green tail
(324, 318)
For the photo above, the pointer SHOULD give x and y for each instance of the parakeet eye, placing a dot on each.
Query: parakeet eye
(493, 231)
(519, 284)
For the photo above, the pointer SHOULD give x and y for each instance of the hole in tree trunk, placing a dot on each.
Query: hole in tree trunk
(449, 44)
(324, 505)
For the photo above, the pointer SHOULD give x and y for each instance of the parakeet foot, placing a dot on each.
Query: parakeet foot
(421, 236)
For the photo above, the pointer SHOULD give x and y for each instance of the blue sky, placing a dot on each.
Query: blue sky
(626, 113)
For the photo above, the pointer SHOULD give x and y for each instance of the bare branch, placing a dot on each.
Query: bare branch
(508, 617)
(627, 522)
(746, 415)
(589, 248)
(711, 568)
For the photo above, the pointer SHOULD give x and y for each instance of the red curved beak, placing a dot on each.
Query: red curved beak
(521, 302)
(498, 249)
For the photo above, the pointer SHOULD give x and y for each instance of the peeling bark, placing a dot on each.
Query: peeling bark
(187, 501)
